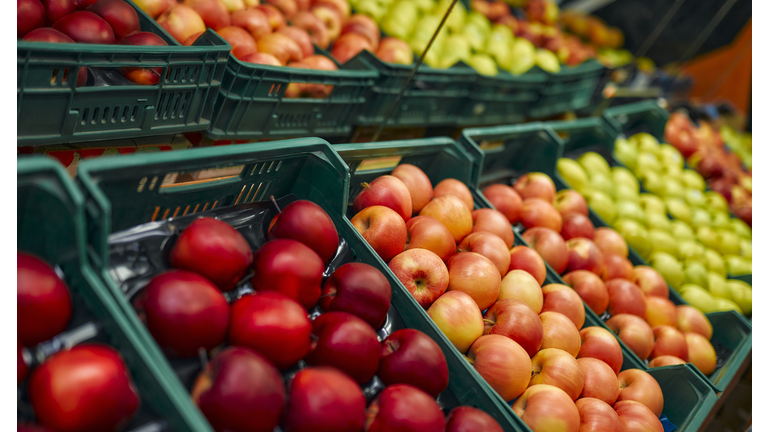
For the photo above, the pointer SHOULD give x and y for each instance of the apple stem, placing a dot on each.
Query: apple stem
(472, 362)
(487, 321)
(365, 185)
(272, 197)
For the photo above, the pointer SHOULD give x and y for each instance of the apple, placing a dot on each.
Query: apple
(280, 46)
(153, 8)
(568, 201)
(383, 228)
(558, 368)
(520, 285)
(347, 47)
(214, 13)
(636, 334)
(493, 221)
(590, 289)
(86, 27)
(617, 267)
(651, 282)
(539, 213)
(640, 386)
(289, 267)
(452, 213)
(544, 407)
(692, 320)
(506, 200)
(274, 16)
(426, 232)
(583, 254)
(394, 50)
(316, 91)
(287, 7)
(625, 297)
(660, 311)
(526, 259)
(577, 225)
(346, 342)
(403, 407)
(240, 390)
(301, 37)
(92, 375)
(669, 341)
(701, 353)
(517, 321)
(665, 360)
(451, 186)
(359, 289)
(422, 273)
(181, 22)
(599, 343)
(600, 380)
(503, 363)
(192, 39)
(317, 30)
(561, 298)
(459, 318)
(636, 417)
(30, 14)
(475, 275)
(253, 20)
(55, 9)
(597, 416)
(488, 245)
(536, 185)
(366, 26)
(46, 34)
(468, 419)
(331, 19)
(324, 398)
(308, 223)
(415, 180)
(143, 76)
(560, 332)
(39, 293)
(549, 245)
(409, 356)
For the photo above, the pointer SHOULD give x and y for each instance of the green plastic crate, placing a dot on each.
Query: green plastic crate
(51, 225)
(502, 99)
(646, 116)
(52, 110)
(307, 168)
(568, 90)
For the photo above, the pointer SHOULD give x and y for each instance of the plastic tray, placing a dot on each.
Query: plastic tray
(126, 192)
(52, 110)
(44, 188)
(646, 116)
(502, 99)
(568, 90)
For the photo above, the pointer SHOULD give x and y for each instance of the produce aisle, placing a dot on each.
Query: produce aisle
(372, 215)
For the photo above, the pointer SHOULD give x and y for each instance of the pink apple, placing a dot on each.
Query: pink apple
(426, 232)
(422, 273)
(583, 254)
(488, 245)
(536, 185)
(493, 221)
(452, 213)
(570, 201)
(417, 182)
(539, 213)
(526, 259)
(692, 320)
(597, 416)
(660, 311)
(456, 314)
(560, 332)
(383, 229)
(590, 288)
(636, 417)
(366, 26)
(669, 341)
(503, 364)
(394, 50)
(456, 188)
(556, 367)
(651, 282)
(506, 200)
(634, 332)
(543, 407)
(387, 191)
(577, 225)
(563, 299)
(600, 381)
(599, 343)
(517, 321)
(640, 386)
(665, 360)
(617, 267)
(475, 275)
(550, 246)
(609, 241)
(625, 297)
(701, 353)
(520, 285)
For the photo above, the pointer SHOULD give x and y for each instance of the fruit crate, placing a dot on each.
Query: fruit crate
(568, 90)
(124, 192)
(59, 237)
(502, 99)
(646, 116)
(51, 109)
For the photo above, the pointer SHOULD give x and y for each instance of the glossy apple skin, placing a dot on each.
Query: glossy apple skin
(261, 58)
(545, 407)
(456, 314)
(402, 407)
(240, 390)
(273, 325)
(301, 37)
(415, 180)
(347, 343)
(610, 241)
(253, 20)
(701, 353)
(422, 273)
(388, 191)
(86, 27)
(617, 267)
(549, 245)
(560, 332)
(409, 356)
(119, 14)
(597, 416)
(426, 232)
(526, 259)
(275, 17)
(517, 321)
(506, 200)
(153, 8)
(348, 46)
(244, 44)
(660, 311)
(30, 14)
(359, 289)
(590, 289)
(665, 360)
(452, 213)
(557, 368)
(143, 76)
(475, 275)
(577, 225)
(383, 229)
(636, 334)
(181, 22)
(214, 13)
(561, 298)
(570, 201)
(493, 221)
(290, 268)
(669, 341)
(469, 419)
(690, 319)
(539, 213)
(46, 34)
(535, 185)
(213, 249)
(95, 376)
(456, 188)
(599, 343)
(651, 282)
(625, 297)
(503, 363)
(366, 26)
(39, 293)
(490, 246)
(583, 254)
(636, 417)
(640, 386)
(600, 381)
(520, 285)
(57, 9)
(323, 399)
(308, 223)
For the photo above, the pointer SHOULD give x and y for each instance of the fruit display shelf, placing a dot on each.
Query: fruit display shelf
(52, 109)
(124, 192)
(51, 225)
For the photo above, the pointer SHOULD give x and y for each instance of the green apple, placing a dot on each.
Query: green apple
(499, 43)
(456, 19)
(746, 249)
(456, 48)
(573, 174)
(718, 286)
(662, 241)
(624, 192)
(678, 209)
(601, 183)
(700, 217)
(741, 229)
(652, 204)
(698, 297)
(659, 221)
(673, 172)
(681, 231)
(647, 161)
(715, 201)
(474, 35)
(593, 163)
(630, 210)
(725, 305)
(692, 249)
(673, 189)
(670, 156)
(522, 57)
(707, 236)
(728, 242)
(719, 219)
(669, 268)
(547, 60)
(741, 294)
(695, 273)
(635, 235)
(425, 6)
(693, 180)
(737, 265)
(372, 8)
(695, 198)
(715, 262)
(624, 176)
(479, 20)
(653, 182)
(625, 152)
(645, 142)
(400, 19)
(483, 64)
(603, 205)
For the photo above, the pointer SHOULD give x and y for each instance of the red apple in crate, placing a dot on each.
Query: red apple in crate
(274, 16)
(469, 419)
(543, 407)
(539, 213)
(383, 229)
(550, 246)
(317, 91)
(536, 185)
(665, 360)
(121, 16)
(308, 223)
(617, 267)
(324, 399)
(290, 268)
(86, 27)
(340, 6)
(651, 282)
(506, 200)
(701, 353)
(636, 417)
(359, 289)
(559, 332)
(475, 275)
(259, 58)
(488, 245)
(348, 46)
(517, 321)
(493, 221)
(660, 311)
(30, 14)
(403, 407)
(422, 273)
(214, 13)
(253, 20)
(451, 186)
(583, 254)
(388, 191)
(520, 285)
(46, 34)
(600, 381)
(331, 19)
(528, 260)
(577, 225)
(625, 298)
(192, 39)
(417, 182)
(366, 26)
(669, 341)
(599, 343)
(569, 201)
(143, 76)
(184, 312)
(39, 293)
(287, 7)
(426, 232)
(83, 4)
(557, 368)
(456, 314)
(502, 363)
(281, 46)
(634, 332)
(92, 375)
(244, 44)
(240, 390)
(153, 8)
(597, 416)
(561, 298)
(317, 30)
(609, 241)
(346, 342)
(590, 289)
(394, 50)
(452, 213)
(271, 324)
(181, 22)
(692, 320)
(57, 9)
(409, 356)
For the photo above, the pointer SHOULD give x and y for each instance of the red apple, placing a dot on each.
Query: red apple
(451, 186)
(590, 289)
(536, 185)
(383, 229)
(503, 364)
(331, 18)
(394, 50)
(259, 58)
(597, 416)
(192, 39)
(625, 298)
(692, 320)
(22, 365)
(39, 293)
(570, 201)
(403, 407)
(506, 200)
(121, 16)
(181, 22)
(359, 289)
(660, 311)
(366, 26)
(528, 260)
(153, 8)
(240, 390)
(617, 267)
(563, 299)
(452, 213)
(475, 275)
(609, 241)
(274, 16)
(308, 223)
(549, 245)
(57, 9)
(469, 419)
(46, 34)
(665, 360)
(493, 221)
(640, 386)
(253, 20)
(92, 375)
(281, 46)
(634, 332)
(520, 285)
(545, 407)
(143, 76)
(600, 381)
(458, 317)
(348, 46)
(539, 213)
(86, 27)
(701, 353)
(317, 30)
(577, 225)
(557, 368)
(290, 268)
(669, 341)
(324, 399)
(417, 182)
(426, 232)
(490, 246)
(83, 4)
(560, 332)
(517, 321)
(636, 417)
(422, 273)
(244, 44)
(346, 342)
(387, 191)
(651, 282)
(409, 356)
(287, 7)
(583, 254)
(312, 90)
(599, 343)
(30, 14)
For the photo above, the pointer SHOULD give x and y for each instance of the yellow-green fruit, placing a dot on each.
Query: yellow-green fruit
(662, 241)
(728, 243)
(695, 273)
(483, 64)
(741, 229)
(695, 198)
(645, 142)
(707, 236)
(625, 153)
(699, 217)
(693, 180)
(635, 235)
(737, 265)
(715, 262)
(718, 286)
(669, 268)
(499, 43)
(746, 249)
(678, 209)
(673, 173)
(699, 298)
(603, 205)
(720, 219)
(479, 20)
(522, 57)
(741, 294)
(647, 162)
(653, 182)
(630, 210)
(547, 60)
(624, 192)
(659, 221)
(622, 175)
(573, 174)
(715, 201)
(670, 156)
(594, 163)
(474, 35)
(681, 231)
(673, 189)
(652, 204)
(691, 249)
(602, 183)
(724, 305)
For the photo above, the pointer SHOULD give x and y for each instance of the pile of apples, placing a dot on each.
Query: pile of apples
(83, 388)
(252, 382)
(488, 301)
(682, 230)
(87, 21)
